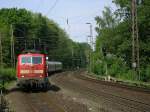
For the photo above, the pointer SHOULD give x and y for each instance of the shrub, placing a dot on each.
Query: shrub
(99, 68)
(116, 67)
(7, 74)
(128, 75)
(145, 74)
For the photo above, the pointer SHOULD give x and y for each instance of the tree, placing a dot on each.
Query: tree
(114, 34)
(35, 31)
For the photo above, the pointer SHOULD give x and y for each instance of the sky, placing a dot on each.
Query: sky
(76, 12)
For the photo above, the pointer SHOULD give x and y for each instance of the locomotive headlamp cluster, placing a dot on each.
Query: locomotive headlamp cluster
(31, 71)
(38, 71)
(24, 71)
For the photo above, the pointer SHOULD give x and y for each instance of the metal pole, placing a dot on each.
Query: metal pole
(91, 35)
(34, 45)
(88, 55)
(133, 37)
(39, 43)
(25, 44)
(12, 47)
(135, 40)
(72, 49)
(1, 52)
(14, 64)
(72, 54)
(91, 43)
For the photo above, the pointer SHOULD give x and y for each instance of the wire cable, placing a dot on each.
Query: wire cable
(53, 6)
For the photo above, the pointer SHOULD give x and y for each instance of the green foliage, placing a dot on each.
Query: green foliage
(116, 67)
(128, 75)
(99, 68)
(145, 74)
(7, 74)
(115, 38)
(34, 31)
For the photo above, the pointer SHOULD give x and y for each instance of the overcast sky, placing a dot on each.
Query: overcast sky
(78, 13)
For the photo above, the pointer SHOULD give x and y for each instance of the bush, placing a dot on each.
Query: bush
(99, 68)
(7, 74)
(145, 74)
(116, 67)
(128, 75)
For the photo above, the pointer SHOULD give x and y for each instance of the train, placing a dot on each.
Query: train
(33, 70)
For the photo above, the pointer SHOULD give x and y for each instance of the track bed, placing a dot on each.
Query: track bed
(37, 101)
(72, 92)
(103, 96)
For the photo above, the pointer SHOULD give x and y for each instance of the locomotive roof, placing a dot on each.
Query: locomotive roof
(32, 54)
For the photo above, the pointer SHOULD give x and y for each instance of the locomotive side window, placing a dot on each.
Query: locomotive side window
(36, 60)
(25, 60)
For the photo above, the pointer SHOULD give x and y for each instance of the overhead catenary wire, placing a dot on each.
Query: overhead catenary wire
(52, 7)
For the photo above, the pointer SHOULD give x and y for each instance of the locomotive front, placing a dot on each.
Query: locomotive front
(32, 70)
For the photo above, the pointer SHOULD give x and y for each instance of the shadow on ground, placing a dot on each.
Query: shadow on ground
(51, 87)
(55, 73)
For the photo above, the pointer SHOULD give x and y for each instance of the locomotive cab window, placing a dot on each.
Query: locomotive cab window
(36, 60)
(25, 60)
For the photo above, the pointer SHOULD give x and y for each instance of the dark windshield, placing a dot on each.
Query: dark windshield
(36, 60)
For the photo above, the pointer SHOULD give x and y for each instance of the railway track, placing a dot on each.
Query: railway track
(122, 103)
(133, 104)
(120, 85)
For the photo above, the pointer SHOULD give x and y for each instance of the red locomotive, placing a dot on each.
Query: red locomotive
(32, 70)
